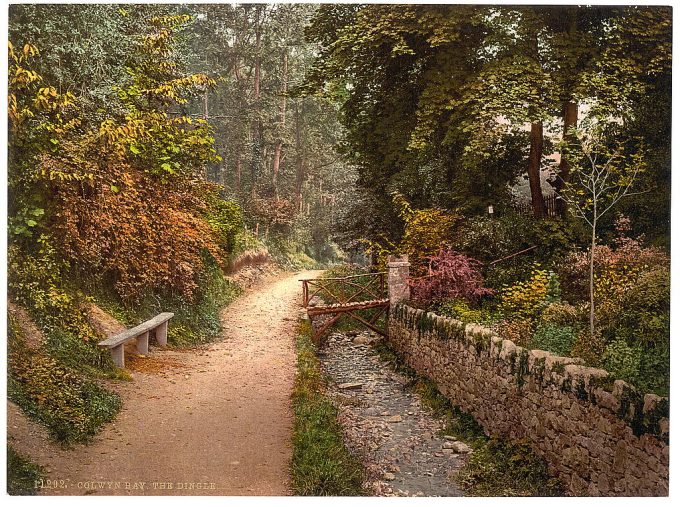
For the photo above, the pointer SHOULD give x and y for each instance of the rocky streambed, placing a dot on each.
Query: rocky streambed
(398, 439)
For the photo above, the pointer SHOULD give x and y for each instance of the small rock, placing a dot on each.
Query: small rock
(447, 452)
(350, 385)
(394, 419)
(461, 447)
(389, 476)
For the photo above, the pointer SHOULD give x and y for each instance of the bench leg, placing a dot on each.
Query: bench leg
(118, 355)
(162, 334)
(143, 343)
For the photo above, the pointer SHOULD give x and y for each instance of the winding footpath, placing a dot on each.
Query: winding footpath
(217, 420)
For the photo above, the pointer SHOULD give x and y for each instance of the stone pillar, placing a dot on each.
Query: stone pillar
(162, 334)
(143, 343)
(118, 355)
(397, 279)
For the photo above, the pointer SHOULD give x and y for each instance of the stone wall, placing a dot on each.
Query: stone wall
(598, 435)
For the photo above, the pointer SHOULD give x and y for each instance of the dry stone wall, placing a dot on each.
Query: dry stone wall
(598, 435)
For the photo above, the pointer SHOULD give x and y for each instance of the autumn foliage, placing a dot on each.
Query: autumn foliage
(450, 275)
(122, 199)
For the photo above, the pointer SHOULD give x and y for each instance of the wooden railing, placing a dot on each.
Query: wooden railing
(344, 290)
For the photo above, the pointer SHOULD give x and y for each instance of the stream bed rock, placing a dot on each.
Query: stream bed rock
(385, 424)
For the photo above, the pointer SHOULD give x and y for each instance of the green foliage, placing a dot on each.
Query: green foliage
(290, 254)
(79, 355)
(24, 221)
(71, 407)
(493, 239)
(499, 468)
(562, 314)
(22, 475)
(35, 281)
(621, 360)
(460, 309)
(322, 465)
(226, 219)
(425, 232)
(553, 338)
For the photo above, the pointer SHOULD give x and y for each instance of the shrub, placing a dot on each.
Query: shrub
(518, 331)
(491, 239)
(613, 266)
(461, 310)
(450, 275)
(562, 314)
(589, 348)
(528, 298)
(226, 219)
(35, 281)
(553, 338)
(640, 311)
(622, 360)
(426, 231)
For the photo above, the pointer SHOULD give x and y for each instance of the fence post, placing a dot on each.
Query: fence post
(397, 279)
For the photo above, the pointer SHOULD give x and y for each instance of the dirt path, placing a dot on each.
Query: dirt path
(217, 422)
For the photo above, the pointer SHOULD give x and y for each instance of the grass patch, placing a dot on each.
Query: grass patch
(500, 468)
(22, 475)
(322, 465)
(496, 467)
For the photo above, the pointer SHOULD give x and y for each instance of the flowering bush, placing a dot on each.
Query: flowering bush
(450, 275)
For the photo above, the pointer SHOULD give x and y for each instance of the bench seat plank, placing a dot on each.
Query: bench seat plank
(134, 332)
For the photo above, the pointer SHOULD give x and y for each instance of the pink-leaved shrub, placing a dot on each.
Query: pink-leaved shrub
(450, 275)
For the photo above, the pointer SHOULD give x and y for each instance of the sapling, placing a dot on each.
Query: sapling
(602, 174)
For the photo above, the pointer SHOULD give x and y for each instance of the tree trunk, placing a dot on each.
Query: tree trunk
(592, 275)
(570, 117)
(534, 169)
(299, 158)
(282, 125)
(237, 182)
(257, 122)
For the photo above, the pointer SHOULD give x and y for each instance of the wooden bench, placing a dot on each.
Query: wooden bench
(116, 344)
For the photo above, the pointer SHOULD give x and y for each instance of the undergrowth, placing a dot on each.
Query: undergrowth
(71, 407)
(195, 322)
(322, 465)
(496, 467)
(22, 475)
